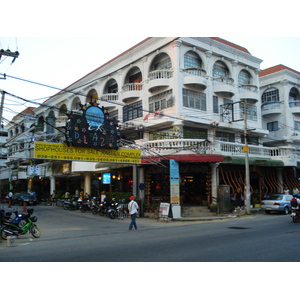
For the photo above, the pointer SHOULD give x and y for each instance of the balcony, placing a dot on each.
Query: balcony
(232, 152)
(224, 86)
(131, 91)
(250, 92)
(295, 106)
(110, 97)
(270, 108)
(61, 121)
(159, 79)
(195, 77)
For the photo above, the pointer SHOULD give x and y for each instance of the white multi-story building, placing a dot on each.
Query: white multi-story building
(180, 99)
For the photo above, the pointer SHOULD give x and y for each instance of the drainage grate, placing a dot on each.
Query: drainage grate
(237, 227)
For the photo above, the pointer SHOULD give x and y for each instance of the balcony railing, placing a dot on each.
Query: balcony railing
(129, 87)
(195, 71)
(223, 80)
(110, 97)
(200, 146)
(160, 74)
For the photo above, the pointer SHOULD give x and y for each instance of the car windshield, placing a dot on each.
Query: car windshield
(275, 197)
(23, 195)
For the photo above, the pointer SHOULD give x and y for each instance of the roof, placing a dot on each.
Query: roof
(230, 44)
(28, 110)
(275, 69)
(142, 42)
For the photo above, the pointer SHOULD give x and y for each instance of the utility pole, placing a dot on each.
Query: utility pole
(247, 172)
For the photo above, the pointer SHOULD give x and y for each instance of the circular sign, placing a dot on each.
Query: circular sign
(94, 116)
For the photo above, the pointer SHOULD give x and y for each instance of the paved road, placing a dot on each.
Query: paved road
(72, 236)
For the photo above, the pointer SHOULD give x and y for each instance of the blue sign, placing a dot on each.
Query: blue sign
(174, 171)
(106, 178)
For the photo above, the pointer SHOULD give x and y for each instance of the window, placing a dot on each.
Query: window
(113, 89)
(272, 126)
(251, 111)
(215, 105)
(113, 115)
(252, 140)
(225, 136)
(161, 101)
(220, 70)
(193, 99)
(191, 60)
(133, 111)
(297, 125)
(244, 78)
(270, 95)
(163, 64)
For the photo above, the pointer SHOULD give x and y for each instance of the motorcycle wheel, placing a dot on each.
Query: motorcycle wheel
(82, 210)
(35, 232)
(4, 235)
(101, 212)
(66, 206)
(94, 211)
(294, 219)
(112, 215)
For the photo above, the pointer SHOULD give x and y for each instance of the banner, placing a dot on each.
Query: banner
(63, 152)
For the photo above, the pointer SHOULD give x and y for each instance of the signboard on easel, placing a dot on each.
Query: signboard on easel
(164, 210)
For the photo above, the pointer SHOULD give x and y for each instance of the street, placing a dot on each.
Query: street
(72, 236)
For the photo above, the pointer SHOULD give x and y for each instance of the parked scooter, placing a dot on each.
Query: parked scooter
(7, 217)
(113, 210)
(69, 204)
(9, 229)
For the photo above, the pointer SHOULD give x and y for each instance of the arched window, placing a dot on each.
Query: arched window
(270, 95)
(50, 123)
(62, 110)
(244, 77)
(294, 95)
(192, 60)
(220, 69)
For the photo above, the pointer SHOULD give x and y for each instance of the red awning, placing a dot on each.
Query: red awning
(188, 158)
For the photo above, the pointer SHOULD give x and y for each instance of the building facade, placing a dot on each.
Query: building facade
(183, 99)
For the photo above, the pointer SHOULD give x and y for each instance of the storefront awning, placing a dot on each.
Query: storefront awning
(189, 158)
(256, 161)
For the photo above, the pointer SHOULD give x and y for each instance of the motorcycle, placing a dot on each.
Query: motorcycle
(9, 228)
(113, 210)
(71, 205)
(295, 214)
(7, 217)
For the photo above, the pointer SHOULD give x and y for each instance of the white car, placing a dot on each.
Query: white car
(277, 202)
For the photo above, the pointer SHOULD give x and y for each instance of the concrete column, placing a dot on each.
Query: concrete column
(87, 183)
(280, 180)
(141, 180)
(134, 181)
(52, 184)
(214, 182)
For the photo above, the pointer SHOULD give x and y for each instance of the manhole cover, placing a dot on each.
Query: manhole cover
(237, 227)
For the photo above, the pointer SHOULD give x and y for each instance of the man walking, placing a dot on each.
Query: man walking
(133, 209)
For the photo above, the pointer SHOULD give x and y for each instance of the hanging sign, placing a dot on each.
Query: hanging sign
(92, 128)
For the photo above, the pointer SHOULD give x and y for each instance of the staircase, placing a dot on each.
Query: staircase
(196, 211)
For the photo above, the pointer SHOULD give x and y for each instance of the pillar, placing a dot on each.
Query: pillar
(87, 183)
(134, 181)
(214, 182)
(52, 184)
(280, 180)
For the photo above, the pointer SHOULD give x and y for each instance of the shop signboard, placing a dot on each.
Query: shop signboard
(92, 128)
(43, 150)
